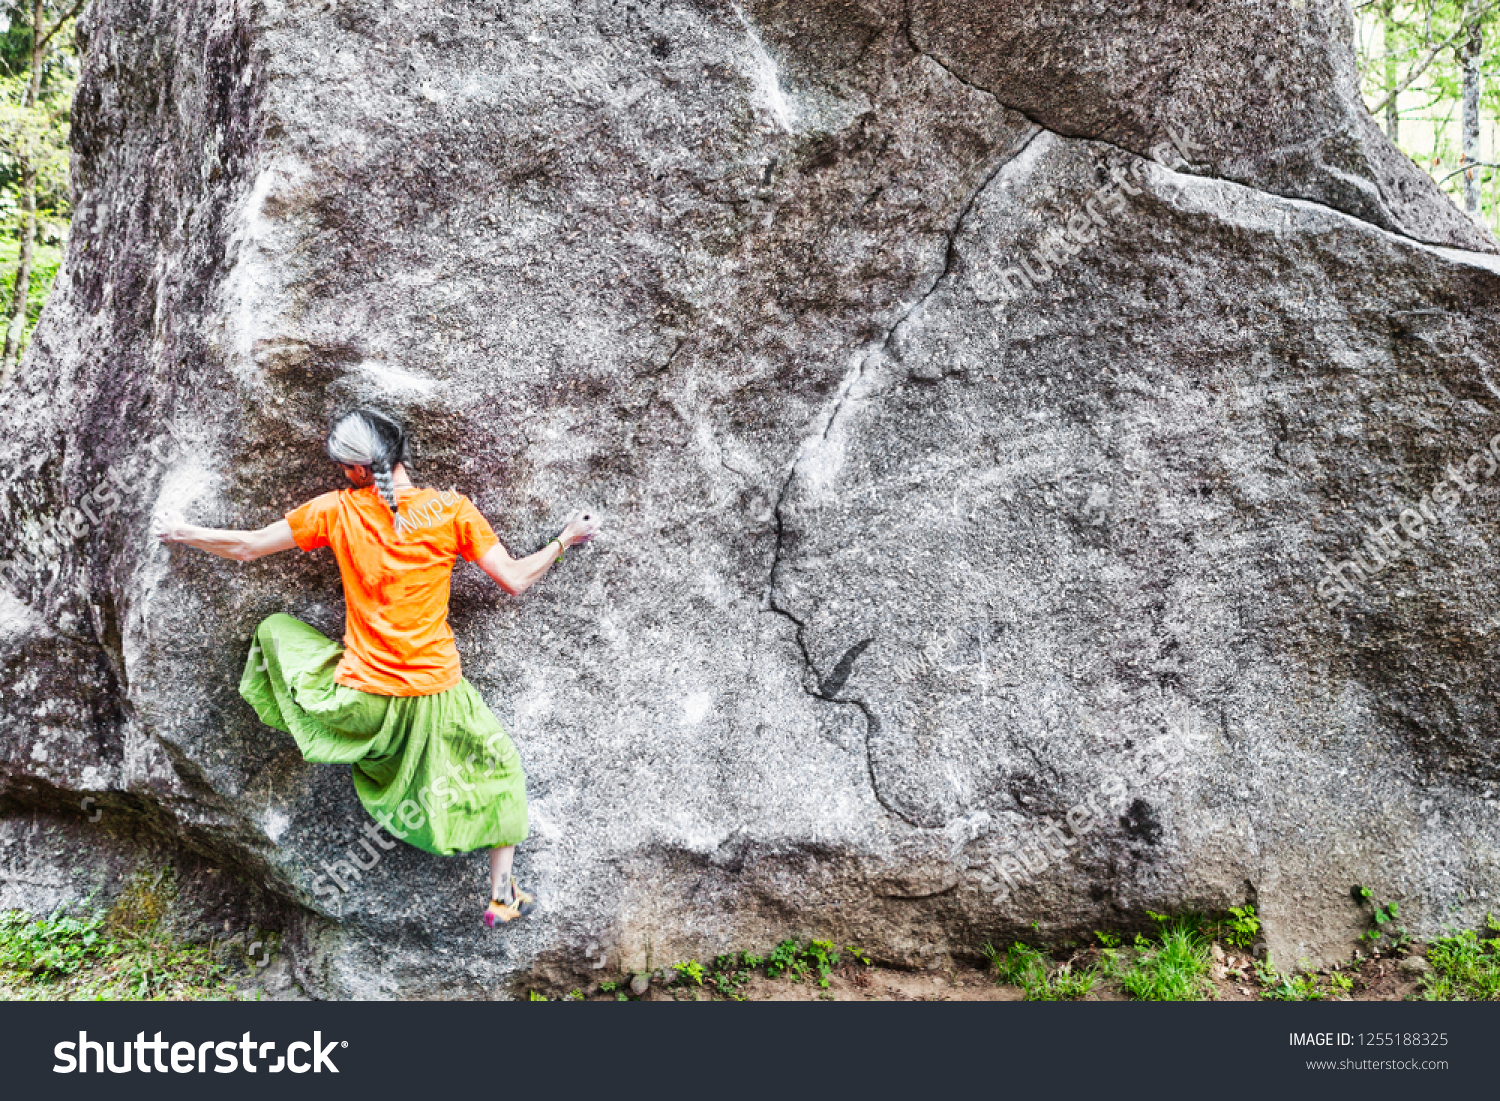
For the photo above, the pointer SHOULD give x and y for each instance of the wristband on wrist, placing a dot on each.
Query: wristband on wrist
(561, 548)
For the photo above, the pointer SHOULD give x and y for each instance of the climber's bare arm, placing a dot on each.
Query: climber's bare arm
(516, 575)
(242, 546)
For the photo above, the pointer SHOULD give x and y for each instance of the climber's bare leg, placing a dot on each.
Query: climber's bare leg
(507, 901)
(500, 862)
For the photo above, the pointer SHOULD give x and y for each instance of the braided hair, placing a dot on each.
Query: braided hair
(369, 438)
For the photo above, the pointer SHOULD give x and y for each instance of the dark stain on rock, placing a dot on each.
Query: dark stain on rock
(1140, 823)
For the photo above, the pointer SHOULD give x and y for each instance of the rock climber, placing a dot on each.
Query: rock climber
(431, 762)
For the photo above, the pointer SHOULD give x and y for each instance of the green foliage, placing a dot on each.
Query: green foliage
(1383, 931)
(822, 957)
(1243, 927)
(36, 135)
(689, 971)
(1465, 966)
(783, 958)
(45, 260)
(536, 997)
(818, 957)
(1024, 966)
(15, 42)
(93, 955)
(1170, 967)
(34, 142)
(1418, 44)
(573, 996)
(1279, 987)
(731, 973)
(51, 946)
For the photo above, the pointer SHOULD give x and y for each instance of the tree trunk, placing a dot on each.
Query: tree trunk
(16, 325)
(1392, 74)
(1473, 86)
(22, 289)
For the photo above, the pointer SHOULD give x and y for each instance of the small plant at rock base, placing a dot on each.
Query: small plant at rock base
(782, 960)
(1279, 987)
(51, 946)
(1173, 967)
(1341, 985)
(1465, 966)
(689, 971)
(1024, 966)
(1382, 918)
(822, 957)
(729, 978)
(1243, 926)
(818, 958)
(573, 996)
(96, 956)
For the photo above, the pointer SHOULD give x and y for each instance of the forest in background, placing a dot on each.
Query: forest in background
(1427, 71)
(38, 76)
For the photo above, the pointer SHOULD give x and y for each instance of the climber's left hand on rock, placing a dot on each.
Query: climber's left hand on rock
(167, 526)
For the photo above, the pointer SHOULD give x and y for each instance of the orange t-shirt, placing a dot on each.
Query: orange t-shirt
(396, 636)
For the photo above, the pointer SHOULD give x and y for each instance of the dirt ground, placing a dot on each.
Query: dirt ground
(1233, 978)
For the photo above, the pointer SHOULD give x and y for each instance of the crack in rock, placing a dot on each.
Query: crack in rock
(1031, 116)
(827, 688)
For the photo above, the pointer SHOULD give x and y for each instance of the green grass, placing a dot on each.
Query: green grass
(1465, 966)
(92, 954)
(1280, 986)
(73, 958)
(1043, 981)
(1169, 967)
(730, 973)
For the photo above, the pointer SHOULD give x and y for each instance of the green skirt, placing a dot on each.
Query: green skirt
(439, 772)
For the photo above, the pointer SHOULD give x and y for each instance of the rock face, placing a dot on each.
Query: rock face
(979, 396)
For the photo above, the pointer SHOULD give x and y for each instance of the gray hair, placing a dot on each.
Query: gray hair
(366, 437)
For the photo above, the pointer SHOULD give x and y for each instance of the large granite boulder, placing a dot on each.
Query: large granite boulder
(1045, 454)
